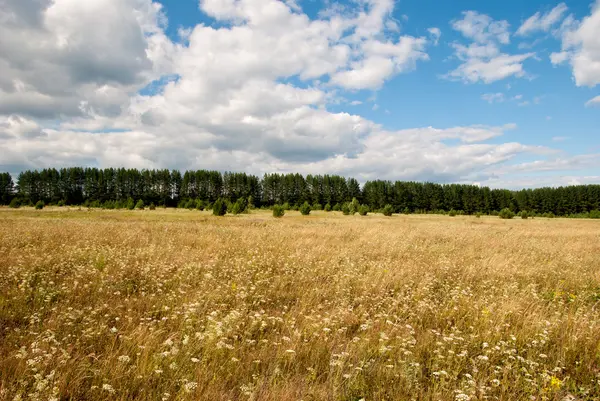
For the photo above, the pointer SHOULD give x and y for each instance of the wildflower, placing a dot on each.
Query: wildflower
(290, 351)
(189, 387)
(114, 329)
(108, 388)
(124, 359)
(555, 383)
(195, 360)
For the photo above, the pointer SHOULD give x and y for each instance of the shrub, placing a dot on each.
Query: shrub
(39, 205)
(506, 213)
(549, 215)
(278, 211)
(354, 206)
(199, 204)
(337, 207)
(594, 214)
(406, 210)
(60, 203)
(152, 206)
(328, 207)
(15, 203)
(452, 213)
(219, 207)
(363, 210)
(109, 204)
(346, 209)
(317, 206)
(524, 215)
(239, 206)
(305, 209)
(130, 204)
(387, 210)
(286, 206)
(478, 215)
(140, 205)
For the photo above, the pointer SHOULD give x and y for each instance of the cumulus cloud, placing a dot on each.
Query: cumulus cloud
(435, 34)
(542, 22)
(482, 59)
(67, 57)
(99, 83)
(581, 47)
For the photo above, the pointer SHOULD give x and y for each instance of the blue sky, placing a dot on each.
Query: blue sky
(499, 93)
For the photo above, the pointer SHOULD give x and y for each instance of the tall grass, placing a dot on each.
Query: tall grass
(181, 305)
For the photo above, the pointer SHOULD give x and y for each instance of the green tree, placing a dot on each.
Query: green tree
(363, 210)
(219, 207)
(278, 211)
(140, 205)
(305, 209)
(506, 213)
(388, 210)
(39, 205)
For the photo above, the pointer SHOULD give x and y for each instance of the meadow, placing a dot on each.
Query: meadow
(181, 305)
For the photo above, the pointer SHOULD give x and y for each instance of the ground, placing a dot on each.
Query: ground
(181, 305)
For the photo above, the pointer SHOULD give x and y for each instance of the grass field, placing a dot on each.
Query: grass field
(181, 305)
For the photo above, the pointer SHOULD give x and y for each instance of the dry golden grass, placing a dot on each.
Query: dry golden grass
(180, 305)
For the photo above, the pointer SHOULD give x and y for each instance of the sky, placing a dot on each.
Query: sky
(495, 93)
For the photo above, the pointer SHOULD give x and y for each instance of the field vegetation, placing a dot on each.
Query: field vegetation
(178, 304)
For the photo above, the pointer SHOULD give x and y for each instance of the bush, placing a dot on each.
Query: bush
(452, 213)
(406, 210)
(199, 204)
(140, 205)
(239, 206)
(363, 210)
(354, 206)
(524, 215)
(305, 209)
(328, 207)
(548, 215)
(152, 206)
(219, 207)
(506, 213)
(39, 205)
(317, 206)
(60, 203)
(337, 207)
(130, 204)
(594, 214)
(387, 210)
(478, 215)
(286, 206)
(346, 209)
(278, 211)
(15, 203)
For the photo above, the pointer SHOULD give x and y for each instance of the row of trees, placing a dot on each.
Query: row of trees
(92, 186)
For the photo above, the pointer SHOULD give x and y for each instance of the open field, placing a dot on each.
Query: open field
(181, 305)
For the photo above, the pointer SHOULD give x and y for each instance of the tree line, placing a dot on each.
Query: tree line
(114, 187)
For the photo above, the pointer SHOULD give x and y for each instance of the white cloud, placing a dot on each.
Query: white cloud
(481, 28)
(249, 92)
(482, 60)
(581, 48)
(542, 22)
(560, 138)
(48, 66)
(493, 97)
(593, 102)
(435, 34)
